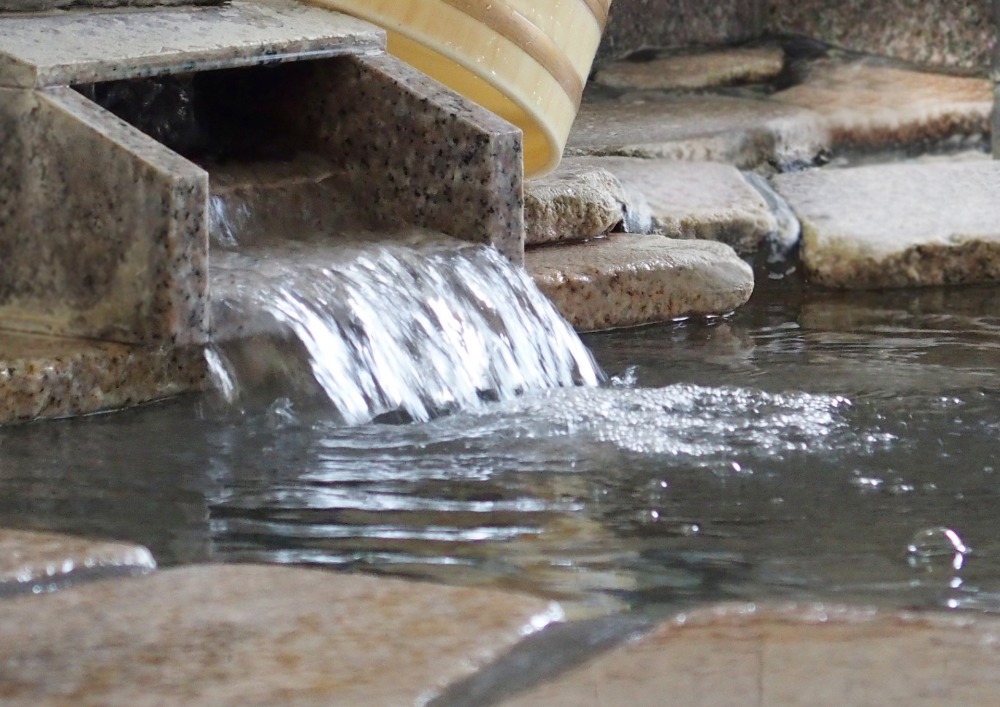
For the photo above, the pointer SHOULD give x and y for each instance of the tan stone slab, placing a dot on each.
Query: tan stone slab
(35, 562)
(898, 225)
(789, 656)
(692, 71)
(47, 377)
(741, 131)
(254, 636)
(578, 201)
(628, 280)
(868, 106)
(83, 47)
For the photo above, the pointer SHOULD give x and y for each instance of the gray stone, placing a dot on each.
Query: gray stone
(45, 5)
(693, 71)
(628, 280)
(791, 656)
(868, 106)
(745, 132)
(898, 225)
(578, 201)
(254, 635)
(33, 562)
(84, 47)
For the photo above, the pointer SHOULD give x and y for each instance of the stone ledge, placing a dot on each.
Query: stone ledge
(694, 71)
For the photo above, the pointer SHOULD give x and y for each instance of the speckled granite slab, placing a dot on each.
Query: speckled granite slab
(671, 70)
(576, 202)
(45, 377)
(898, 225)
(256, 636)
(792, 656)
(44, 5)
(740, 131)
(81, 47)
(33, 562)
(868, 106)
(628, 280)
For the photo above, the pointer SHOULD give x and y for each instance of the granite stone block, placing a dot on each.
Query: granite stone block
(102, 230)
(898, 225)
(45, 5)
(694, 70)
(628, 280)
(578, 201)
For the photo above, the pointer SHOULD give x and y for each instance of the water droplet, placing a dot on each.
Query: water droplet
(933, 546)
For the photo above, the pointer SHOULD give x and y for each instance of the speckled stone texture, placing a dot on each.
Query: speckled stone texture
(634, 24)
(414, 148)
(628, 280)
(745, 132)
(792, 656)
(80, 47)
(104, 232)
(578, 201)
(254, 635)
(33, 562)
(942, 32)
(46, 377)
(869, 106)
(44, 5)
(694, 70)
(898, 225)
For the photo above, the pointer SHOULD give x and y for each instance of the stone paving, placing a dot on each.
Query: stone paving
(691, 71)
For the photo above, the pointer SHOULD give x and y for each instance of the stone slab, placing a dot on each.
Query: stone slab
(578, 201)
(870, 106)
(898, 225)
(48, 377)
(84, 47)
(790, 656)
(745, 132)
(693, 71)
(942, 32)
(46, 5)
(255, 635)
(629, 280)
(33, 562)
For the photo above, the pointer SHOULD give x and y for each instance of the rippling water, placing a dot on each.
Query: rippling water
(798, 448)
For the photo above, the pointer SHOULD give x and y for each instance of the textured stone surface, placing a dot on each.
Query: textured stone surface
(867, 106)
(634, 24)
(898, 225)
(576, 202)
(706, 200)
(46, 377)
(740, 131)
(691, 71)
(81, 47)
(254, 635)
(32, 562)
(42, 5)
(788, 656)
(104, 232)
(926, 31)
(413, 148)
(627, 280)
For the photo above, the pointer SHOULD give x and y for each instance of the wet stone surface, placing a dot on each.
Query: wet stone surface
(693, 71)
(577, 202)
(898, 225)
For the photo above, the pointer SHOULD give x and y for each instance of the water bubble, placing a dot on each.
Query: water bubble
(932, 546)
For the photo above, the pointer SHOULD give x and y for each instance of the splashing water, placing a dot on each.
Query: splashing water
(420, 328)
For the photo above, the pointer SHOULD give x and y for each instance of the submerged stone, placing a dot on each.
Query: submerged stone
(628, 280)
(577, 202)
(898, 225)
(32, 562)
(870, 106)
(255, 635)
(745, 132)
(791, 655)
(693, 71)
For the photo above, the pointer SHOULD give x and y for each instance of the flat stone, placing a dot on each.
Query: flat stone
(740, 131)
(693, 71)
(705, 200)
(84, 47)
(578, 201)
(44, 5)
(898, 225)
(31, 562)
(868, 106)
(628, 280)
(789, 656)
(51, 377)
(254, 635)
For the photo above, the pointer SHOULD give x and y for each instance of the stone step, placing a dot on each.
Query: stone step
(629, 280)
(898, 225)
(791, 656)
(84, 47)
(670, 71)
(215, 635)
